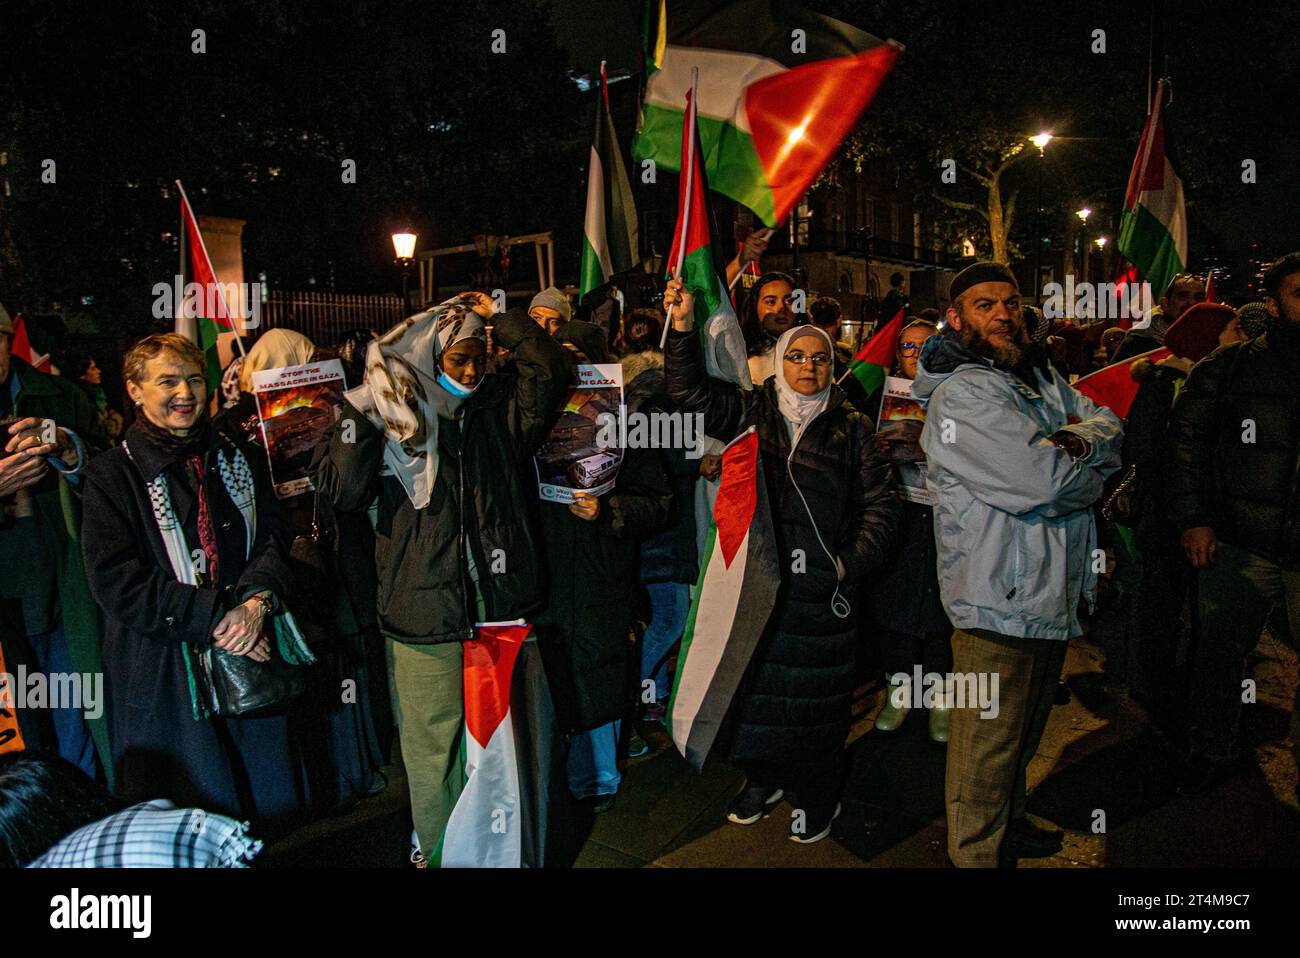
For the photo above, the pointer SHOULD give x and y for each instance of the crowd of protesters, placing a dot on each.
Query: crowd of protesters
(158, 552)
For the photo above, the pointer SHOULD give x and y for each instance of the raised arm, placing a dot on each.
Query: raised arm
(345, 466)
(542, 373)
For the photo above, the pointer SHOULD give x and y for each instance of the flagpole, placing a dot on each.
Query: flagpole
(690, 192)
(203, 247)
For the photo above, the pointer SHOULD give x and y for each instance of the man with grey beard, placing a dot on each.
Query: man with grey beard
(1016, 460)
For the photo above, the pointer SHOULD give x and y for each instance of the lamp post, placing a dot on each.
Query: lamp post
(1101, 247)
(1040, 141)
(404, 250)
(1083, 215)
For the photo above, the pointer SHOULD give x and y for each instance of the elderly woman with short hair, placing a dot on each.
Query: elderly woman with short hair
(185, 551)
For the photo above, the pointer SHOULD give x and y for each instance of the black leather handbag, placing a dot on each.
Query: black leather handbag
(234, 686)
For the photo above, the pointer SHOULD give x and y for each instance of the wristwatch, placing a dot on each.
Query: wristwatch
(265, 600)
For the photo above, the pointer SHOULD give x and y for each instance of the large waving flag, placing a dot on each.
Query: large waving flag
(692, 257)
(210, 310)
(1113, 386)
(485, 829)
(610, 228)
(779, 88)
(734, 598)
(1153, 226)
(871, 364)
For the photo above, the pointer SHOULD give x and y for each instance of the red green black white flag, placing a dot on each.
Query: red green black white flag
(779, 88)
(734, 598)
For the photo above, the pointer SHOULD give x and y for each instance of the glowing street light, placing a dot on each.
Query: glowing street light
(1101, 242)
(1083, 214)
(404, 245)
(1041, 141)
(404, 249)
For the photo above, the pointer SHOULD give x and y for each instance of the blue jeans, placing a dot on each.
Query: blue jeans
(593, 762)
(669, 603)
(70, 728)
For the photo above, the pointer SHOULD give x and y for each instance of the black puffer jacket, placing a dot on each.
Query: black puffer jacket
(483, 496)
(1146, 447)
(796, 707)
(591, 599)
(1246, 487)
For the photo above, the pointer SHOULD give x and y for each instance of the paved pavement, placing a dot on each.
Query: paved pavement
(1094, 757)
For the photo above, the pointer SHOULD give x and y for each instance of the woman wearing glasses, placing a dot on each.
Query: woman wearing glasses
(908, 618)
(834, 509)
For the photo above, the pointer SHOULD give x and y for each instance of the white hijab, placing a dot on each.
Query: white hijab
(401, 393)
(799, 410)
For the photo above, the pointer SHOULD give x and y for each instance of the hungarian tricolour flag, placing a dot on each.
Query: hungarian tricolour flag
(1113, 386)
(1153, 226)
(779, 88)
(871, 364)
(691, 258)
(485, 829)
(610, 229)
(210, 310)
(734, 598)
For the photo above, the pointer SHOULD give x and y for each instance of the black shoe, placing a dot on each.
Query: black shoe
(1199, 775)
(814, 828)
(1030, 841)
(602, 803)
(753, 803)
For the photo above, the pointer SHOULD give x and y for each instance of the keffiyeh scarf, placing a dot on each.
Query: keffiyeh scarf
(405, 391)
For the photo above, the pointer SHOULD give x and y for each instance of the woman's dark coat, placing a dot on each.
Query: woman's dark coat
(584, 629)
(904, 592)
(483, 497)
(670, 555)
(239, 767)
(344, 741)
(797, 705)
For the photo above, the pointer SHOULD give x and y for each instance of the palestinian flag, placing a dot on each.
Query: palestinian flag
(22, 348)
(1153, 226)
(774, 103)
(871, 364)
(212, 320)
(1113, 386)
(691, 254)
(734, 597)
(610, 228)
(485, 829)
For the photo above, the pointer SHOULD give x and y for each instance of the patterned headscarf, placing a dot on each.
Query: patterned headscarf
(401, 393)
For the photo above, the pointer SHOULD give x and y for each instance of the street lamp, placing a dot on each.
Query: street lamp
(1083, 215)
(1101, 243)
(1040, 141)
(404, 250)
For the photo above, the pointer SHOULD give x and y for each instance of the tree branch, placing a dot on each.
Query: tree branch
(961, 205)
(975, 173)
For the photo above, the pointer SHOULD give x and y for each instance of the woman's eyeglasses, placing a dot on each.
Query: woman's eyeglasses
(910, 347)
(818, 359)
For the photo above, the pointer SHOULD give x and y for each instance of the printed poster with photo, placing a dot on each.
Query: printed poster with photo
(901, 420)
(573, 458)
(297, 405)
